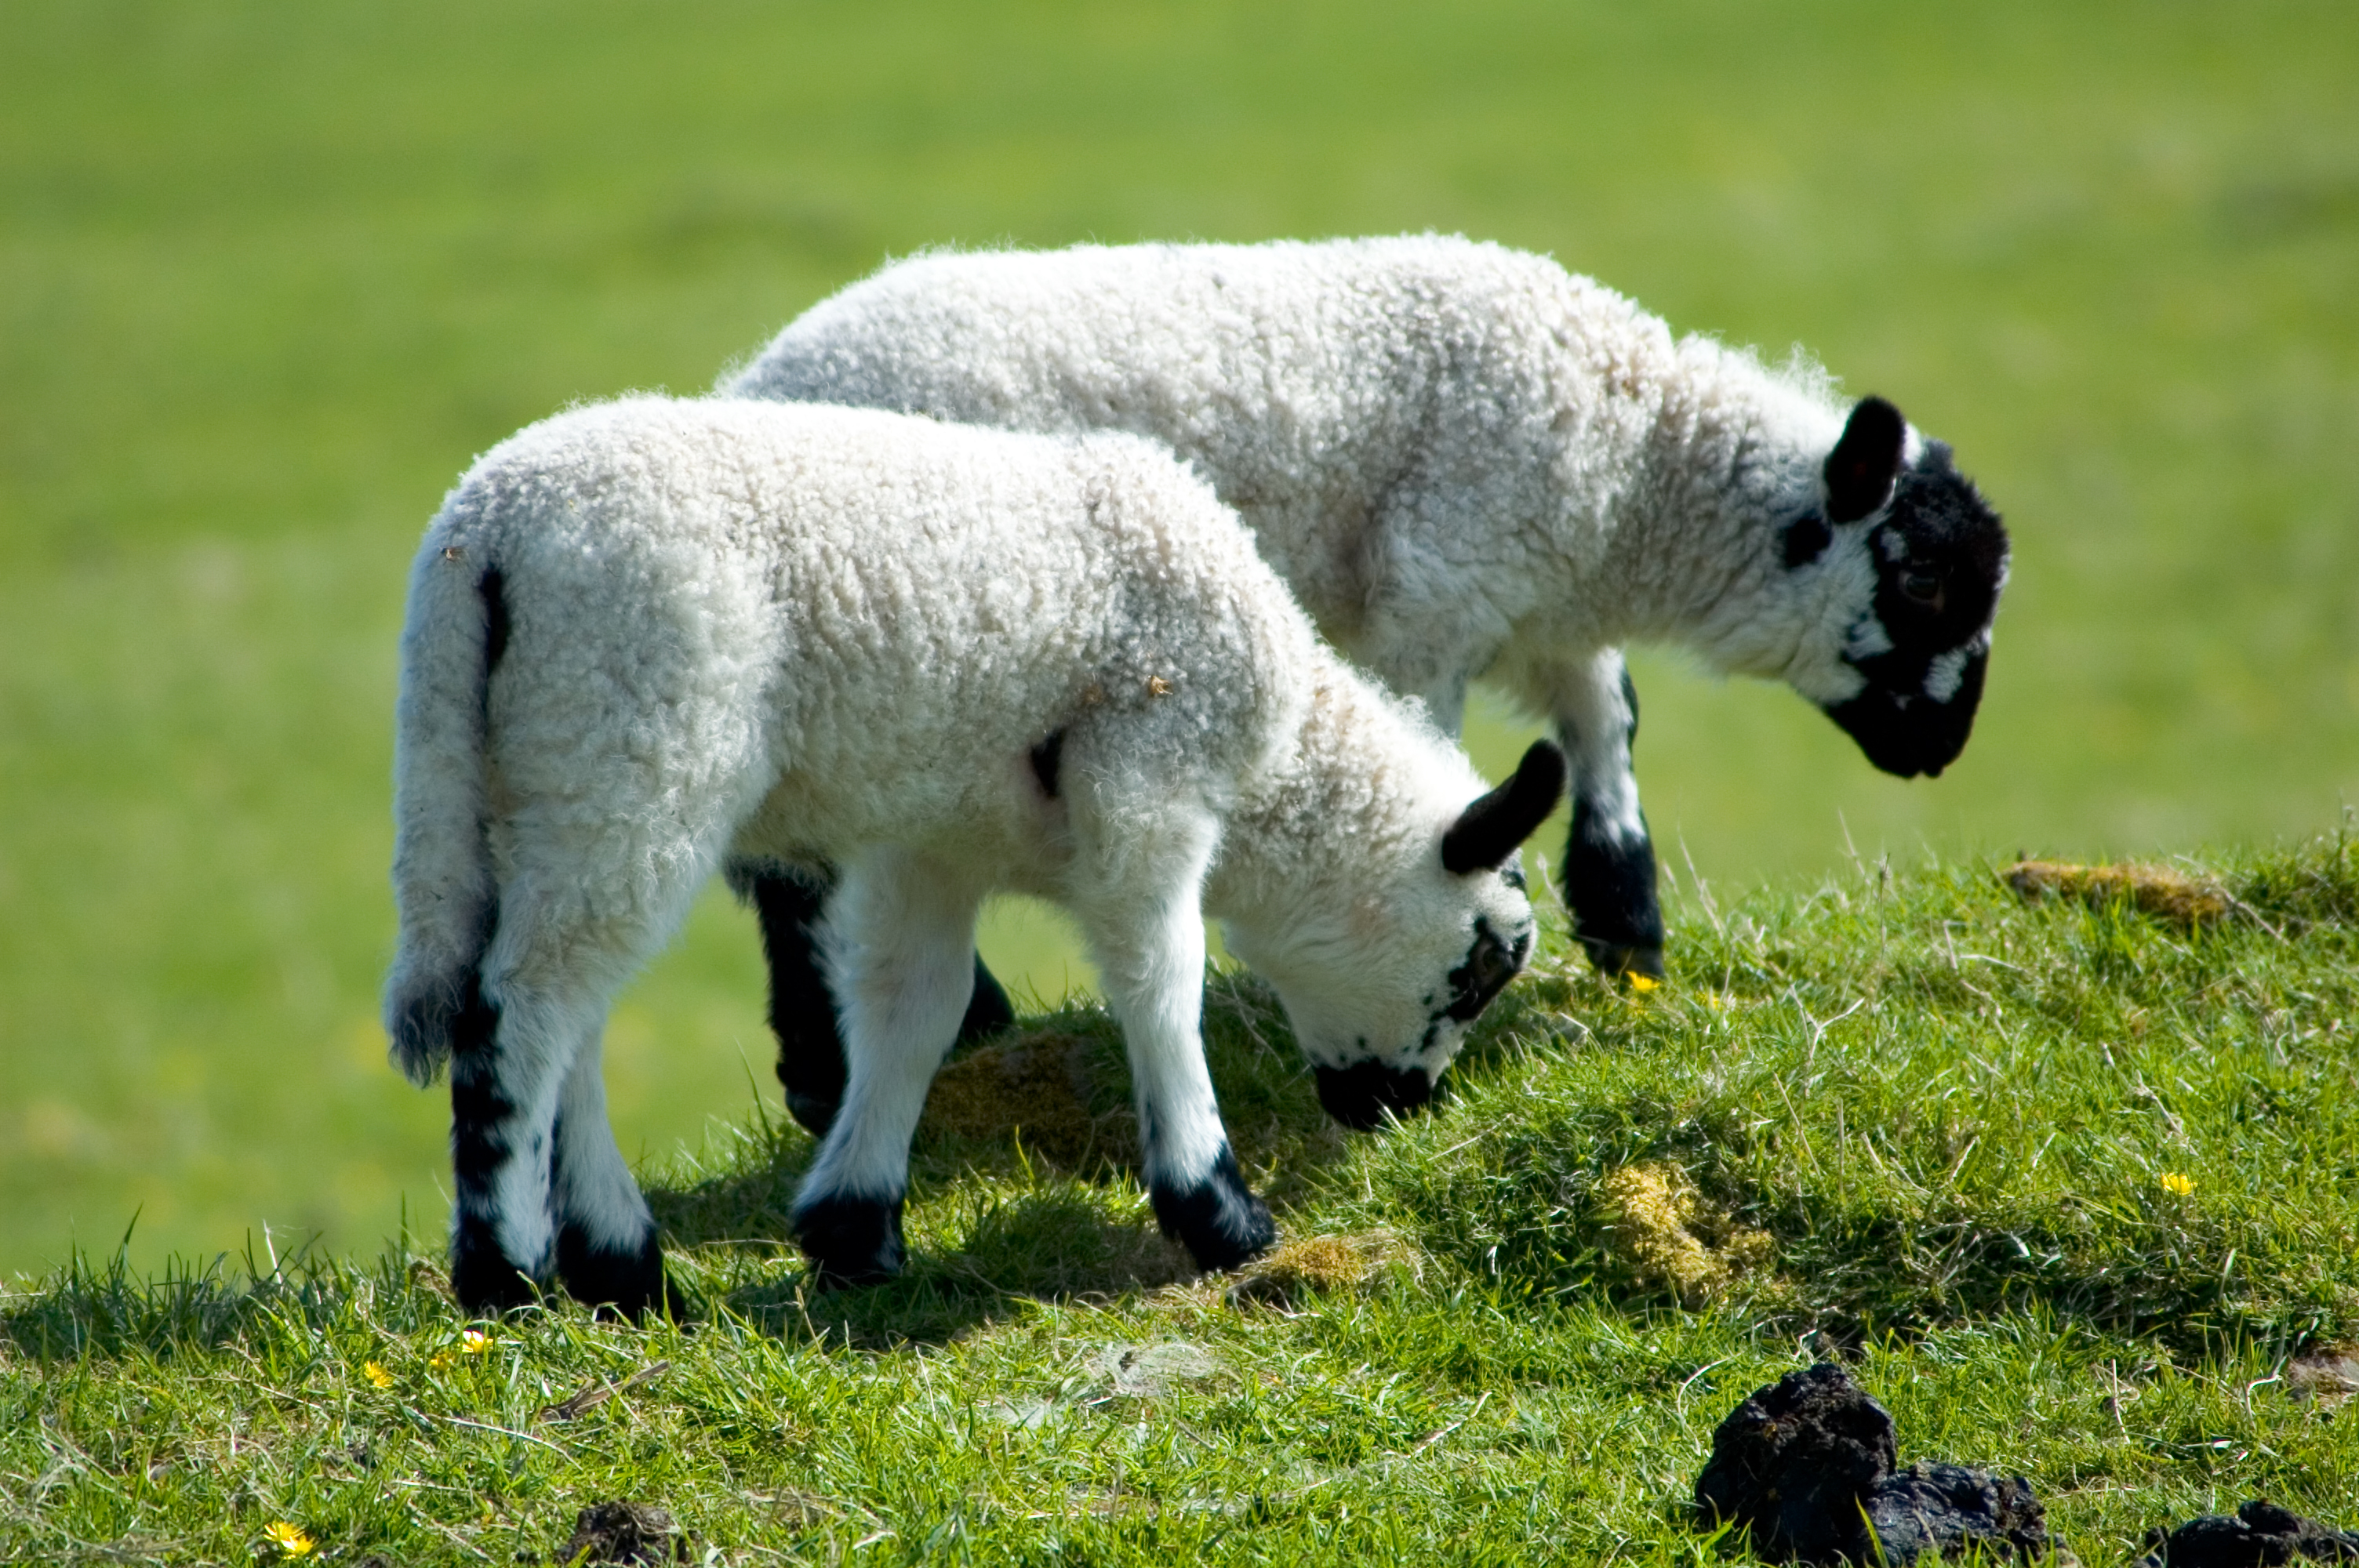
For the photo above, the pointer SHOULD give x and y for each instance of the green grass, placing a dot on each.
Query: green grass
(1952, 1114)
(270, 274)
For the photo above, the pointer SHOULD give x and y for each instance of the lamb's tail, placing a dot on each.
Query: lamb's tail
(442, 879)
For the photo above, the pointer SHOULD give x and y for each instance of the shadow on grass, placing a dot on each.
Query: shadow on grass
(1024, 1182)
(1025, 1189)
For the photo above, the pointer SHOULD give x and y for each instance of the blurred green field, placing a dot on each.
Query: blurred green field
(271, 273)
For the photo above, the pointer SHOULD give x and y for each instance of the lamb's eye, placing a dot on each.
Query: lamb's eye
(1494, 966)
(1925, 587)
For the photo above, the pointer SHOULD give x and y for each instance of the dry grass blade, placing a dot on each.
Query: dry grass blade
(597, 1394)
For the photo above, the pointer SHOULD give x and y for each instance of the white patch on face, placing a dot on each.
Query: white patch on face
(1946, 674)
(1895, 547)
(1867, 638)
(1833, 597)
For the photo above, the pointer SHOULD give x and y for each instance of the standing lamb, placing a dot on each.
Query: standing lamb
(1466, 462)
(648, 639)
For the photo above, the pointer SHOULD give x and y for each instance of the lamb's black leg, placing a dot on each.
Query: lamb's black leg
(484, 1127)
(1609, 861)
(803, 1014)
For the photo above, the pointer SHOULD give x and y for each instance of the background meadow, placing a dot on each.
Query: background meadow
(271, 273)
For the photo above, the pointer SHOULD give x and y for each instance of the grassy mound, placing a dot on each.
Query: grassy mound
(2073, 1183)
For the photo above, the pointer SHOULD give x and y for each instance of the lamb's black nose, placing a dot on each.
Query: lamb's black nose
(1358, 1096)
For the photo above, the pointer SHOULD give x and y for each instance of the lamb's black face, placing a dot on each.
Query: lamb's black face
(1940, 555)
(1360, 1095)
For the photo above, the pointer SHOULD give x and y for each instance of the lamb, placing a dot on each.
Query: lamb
(1467, 463)
(652, 639)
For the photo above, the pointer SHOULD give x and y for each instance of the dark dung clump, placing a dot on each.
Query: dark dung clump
(1808, 1466)
(2258, 1535)
(622, 1532)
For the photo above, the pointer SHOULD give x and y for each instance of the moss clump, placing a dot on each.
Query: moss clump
(1668, 1237)
(1035, 1090)
(2155, 890)
(1303, 1266)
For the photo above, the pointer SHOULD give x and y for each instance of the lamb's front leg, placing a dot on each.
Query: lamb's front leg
(1609, 861)
(802, 1011)
(1150, 943)
(898, 947)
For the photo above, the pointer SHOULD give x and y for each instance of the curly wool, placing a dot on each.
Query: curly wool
(1461, 457)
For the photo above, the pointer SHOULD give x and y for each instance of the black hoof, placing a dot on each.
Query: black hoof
(988, 1010)
(483, 1280)
(628, 1283)
(815, 1113)
(1218, 1220)
(851, 1241)
(1612, 960)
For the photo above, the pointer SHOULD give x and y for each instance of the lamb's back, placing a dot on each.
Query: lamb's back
(902, 607)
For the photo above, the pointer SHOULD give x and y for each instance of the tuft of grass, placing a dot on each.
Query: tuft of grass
(1953, 1116)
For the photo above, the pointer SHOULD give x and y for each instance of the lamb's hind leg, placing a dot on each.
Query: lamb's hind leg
(542, 1188)
(1146, 932)
(898, 944)
(1609, 862)
(607, 1251)
(803, 1012)
(509, 1058)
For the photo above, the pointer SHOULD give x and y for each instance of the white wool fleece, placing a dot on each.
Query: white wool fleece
(1462, 458)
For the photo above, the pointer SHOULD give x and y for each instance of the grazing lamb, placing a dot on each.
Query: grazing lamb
(1465, 461)
(650, 638)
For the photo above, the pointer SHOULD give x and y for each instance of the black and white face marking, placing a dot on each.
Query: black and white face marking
(1380, 1003)
(1938, 554)
(1362, 1095)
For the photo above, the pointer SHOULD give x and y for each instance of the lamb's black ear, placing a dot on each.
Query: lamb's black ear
(1861, 469)
(1488, 831)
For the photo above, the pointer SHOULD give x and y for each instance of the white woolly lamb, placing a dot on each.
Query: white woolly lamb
(647, 637)
(1467, 462)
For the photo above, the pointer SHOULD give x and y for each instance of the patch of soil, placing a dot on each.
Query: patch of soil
(622, 1534)
(1808, 1467)
(1037, 1088)
(2157, 891)
(2259, 1535)
(2328, 1373)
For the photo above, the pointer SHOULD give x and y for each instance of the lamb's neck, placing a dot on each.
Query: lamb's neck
(1320, 811)
(1716, 452)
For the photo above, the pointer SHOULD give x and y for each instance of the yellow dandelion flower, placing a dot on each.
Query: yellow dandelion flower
(290, 1538)
(375, 1373)
(1642, 984)
(2173, 1182)
(474, 1343)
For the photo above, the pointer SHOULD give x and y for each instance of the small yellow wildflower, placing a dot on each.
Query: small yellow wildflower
(1642, 984)
(475, 1342)
(2173, 1182)
(290, 1538)
(375, 1373)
